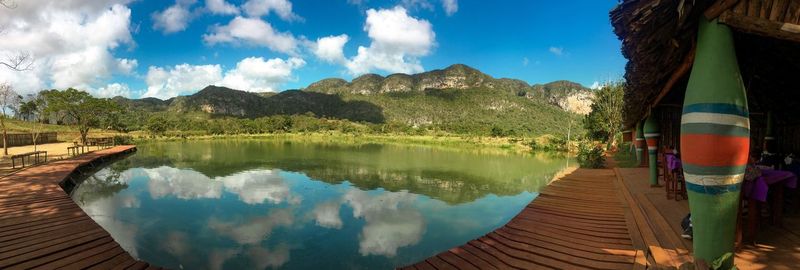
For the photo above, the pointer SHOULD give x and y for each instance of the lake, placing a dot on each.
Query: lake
(255, 204)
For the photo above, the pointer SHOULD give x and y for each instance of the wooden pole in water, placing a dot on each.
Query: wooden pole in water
(715, 131)
(651, 136)
(639, 142)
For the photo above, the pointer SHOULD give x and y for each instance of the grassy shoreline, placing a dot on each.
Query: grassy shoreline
(473, 143)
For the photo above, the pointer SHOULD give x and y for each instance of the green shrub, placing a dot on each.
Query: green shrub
(549, 143)
(122, 140)
(591, 156)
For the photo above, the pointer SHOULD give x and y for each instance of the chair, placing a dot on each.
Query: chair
(674, 182)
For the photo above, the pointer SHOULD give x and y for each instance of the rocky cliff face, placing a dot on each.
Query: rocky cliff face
(569, 96)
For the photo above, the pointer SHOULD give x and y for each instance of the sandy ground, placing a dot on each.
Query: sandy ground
(55, 151)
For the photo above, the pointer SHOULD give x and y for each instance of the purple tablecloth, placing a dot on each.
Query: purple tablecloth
(758, 188)
(673, 162)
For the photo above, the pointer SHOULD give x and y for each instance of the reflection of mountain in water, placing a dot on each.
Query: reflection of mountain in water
(451, 176)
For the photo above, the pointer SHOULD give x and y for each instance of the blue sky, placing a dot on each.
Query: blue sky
(167, 48)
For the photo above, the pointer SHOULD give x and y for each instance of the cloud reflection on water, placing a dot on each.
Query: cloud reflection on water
(252, 187)
(255, 228)
(391, 221)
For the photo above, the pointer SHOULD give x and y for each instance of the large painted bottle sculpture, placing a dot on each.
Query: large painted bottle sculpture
(715, 130)
(640, 144)
(651, 136)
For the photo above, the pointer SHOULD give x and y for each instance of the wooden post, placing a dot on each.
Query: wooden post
(715, 141)
(639, 142)
(651, 136)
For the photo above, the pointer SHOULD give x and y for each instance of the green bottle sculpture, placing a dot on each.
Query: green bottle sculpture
(651, 136)
(715, 141)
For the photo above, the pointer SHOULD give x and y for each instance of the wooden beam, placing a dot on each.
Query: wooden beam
(685, 66)
(718, 7)
(761, 27)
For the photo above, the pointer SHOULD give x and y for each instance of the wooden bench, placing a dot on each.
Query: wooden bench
(77, 150)
(35, 154)
(104, 142)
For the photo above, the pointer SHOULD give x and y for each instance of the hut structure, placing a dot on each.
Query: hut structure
(720, 80)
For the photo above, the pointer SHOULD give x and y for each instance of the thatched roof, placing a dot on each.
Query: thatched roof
(658, 38)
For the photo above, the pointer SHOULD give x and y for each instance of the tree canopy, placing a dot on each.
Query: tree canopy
(605, 120)
(79, 108)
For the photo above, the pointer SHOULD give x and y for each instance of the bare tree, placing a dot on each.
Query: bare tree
(9, 100)
(21, 61)
(8, 3)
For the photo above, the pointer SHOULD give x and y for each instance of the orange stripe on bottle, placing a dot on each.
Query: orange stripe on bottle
(714, 150)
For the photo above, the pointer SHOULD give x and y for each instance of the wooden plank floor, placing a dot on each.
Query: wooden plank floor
(580, 221)
(42, 228)
(776, 247)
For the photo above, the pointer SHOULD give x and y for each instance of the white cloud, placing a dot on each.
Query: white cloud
(254, 230)
(183, 184)
(556, 50)
(256, 187)
(450, 6)
(253, 74)
(412, 4)
(181, 79)
(263, 258)
(218, 257)
(252, 31)
(252, 187)
(595, 85)
(258, 8)
(127, 66)
(113, 90)
(397, 41)
(390, 221)
(525, 61)
(221, 7)
(327, 215)
(331, 48)
(175, 18)
(70, 41)
(103, 209)
(256, 75)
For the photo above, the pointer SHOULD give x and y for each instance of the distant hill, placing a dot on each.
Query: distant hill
(457, 99)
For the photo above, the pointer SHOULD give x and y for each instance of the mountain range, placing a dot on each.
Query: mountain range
(456, 98)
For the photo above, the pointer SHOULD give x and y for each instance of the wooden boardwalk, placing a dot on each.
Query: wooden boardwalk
(581, 221)
(41, 227)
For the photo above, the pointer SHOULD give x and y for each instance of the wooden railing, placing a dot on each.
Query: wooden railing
(21, 157)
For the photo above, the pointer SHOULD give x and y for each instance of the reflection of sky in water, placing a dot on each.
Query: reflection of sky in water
(271, 218)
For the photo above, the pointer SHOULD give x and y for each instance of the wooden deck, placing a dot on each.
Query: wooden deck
(775, 248)
(581, 221)
(41, 227)
(607, 219)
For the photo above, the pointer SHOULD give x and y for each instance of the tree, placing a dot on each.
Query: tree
(9, 100)
(77, 107)
(157, 125)
(21, 61)
(32, 109)
(605, 120)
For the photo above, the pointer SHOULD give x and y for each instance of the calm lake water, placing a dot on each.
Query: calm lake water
(251, 204)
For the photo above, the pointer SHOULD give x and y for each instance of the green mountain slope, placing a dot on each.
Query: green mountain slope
(458, 99)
